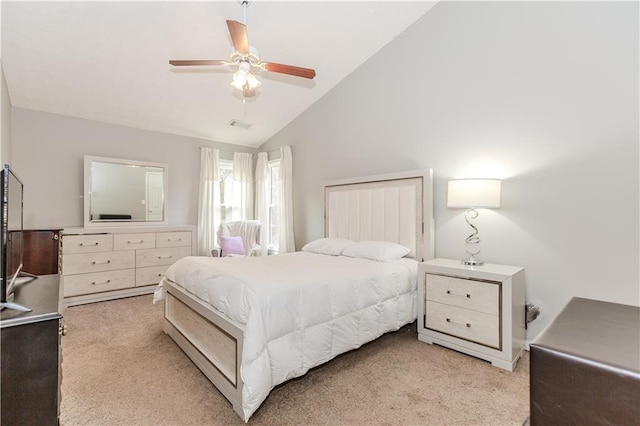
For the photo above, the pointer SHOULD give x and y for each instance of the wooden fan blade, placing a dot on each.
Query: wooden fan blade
(247, 92)
(180, 63)
(289, 69)
(239, 37)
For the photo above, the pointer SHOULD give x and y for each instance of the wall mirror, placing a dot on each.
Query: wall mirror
(124, 192)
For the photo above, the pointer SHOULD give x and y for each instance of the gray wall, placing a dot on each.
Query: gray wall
(541, 94)
(5, 121)
(48, 153)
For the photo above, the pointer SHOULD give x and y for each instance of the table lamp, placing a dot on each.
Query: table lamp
(472, 194)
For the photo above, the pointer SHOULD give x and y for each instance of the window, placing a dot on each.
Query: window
(274, 202)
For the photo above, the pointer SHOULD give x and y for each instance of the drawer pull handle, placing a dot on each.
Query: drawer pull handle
(89, 244)
(135, 242)
(467, 295)
(103, 282)
(100, 263)
(170, 240)
(165, 257)
(466, 324)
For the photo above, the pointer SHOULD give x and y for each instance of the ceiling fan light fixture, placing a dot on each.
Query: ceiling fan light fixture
(252, 81)
(239, 79)
(242, 78)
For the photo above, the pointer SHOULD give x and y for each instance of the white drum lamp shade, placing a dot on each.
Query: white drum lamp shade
(474, 193)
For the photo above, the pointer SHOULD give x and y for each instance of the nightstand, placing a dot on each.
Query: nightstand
(478, 310)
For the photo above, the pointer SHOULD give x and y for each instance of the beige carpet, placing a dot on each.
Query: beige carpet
(119, 368)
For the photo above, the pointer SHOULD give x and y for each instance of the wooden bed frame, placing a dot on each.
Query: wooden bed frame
(394, 207)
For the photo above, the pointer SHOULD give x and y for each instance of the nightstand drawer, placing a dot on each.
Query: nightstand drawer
(470, 294)
(469, 325)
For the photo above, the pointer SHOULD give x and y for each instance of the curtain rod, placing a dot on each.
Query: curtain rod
(225, 151)
(231, 152)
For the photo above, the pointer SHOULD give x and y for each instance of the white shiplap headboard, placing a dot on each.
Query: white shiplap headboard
(394, 207)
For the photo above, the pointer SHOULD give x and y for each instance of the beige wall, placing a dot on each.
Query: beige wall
(48, 153)
(541, 94)
(5, 121)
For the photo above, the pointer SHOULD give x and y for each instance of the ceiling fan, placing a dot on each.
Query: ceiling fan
(246, 57)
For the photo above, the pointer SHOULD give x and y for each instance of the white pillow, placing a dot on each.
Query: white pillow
(376, 250)
(330, 246)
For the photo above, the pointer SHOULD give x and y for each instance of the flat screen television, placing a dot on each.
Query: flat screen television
(11, 237)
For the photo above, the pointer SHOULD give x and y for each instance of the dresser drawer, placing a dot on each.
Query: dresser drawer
(173, 239)
(89, 243)
(134, 241)
(76, 285)
(465, 293)
(459, 322)
(160, 256)
(96, 262)
(150, 275)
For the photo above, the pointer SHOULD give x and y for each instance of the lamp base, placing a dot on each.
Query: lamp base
(472, 262)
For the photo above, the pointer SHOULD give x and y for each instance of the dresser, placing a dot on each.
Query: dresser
(477, 310)
(30, 359)
(98, 264)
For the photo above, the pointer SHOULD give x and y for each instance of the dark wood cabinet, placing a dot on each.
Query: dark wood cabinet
(584, 366)
(30, 355)
(41, 251)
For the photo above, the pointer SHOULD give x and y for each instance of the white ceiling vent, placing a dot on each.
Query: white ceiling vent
(238, 123)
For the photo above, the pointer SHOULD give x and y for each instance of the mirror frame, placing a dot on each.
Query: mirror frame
(89, 159)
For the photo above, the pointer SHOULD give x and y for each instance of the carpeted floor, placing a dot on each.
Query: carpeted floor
(119, 368)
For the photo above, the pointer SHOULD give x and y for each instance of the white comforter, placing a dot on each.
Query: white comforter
(300, 309)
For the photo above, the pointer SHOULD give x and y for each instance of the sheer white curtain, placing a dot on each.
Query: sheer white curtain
(287, 241)
(243, 185)
(262, 211)
(209, 200)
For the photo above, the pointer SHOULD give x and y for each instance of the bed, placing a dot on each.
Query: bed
(252, 323)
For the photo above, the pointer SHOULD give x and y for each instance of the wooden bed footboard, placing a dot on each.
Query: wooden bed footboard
(210, 339)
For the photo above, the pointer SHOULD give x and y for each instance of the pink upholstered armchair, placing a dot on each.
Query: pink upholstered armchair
(239, 238)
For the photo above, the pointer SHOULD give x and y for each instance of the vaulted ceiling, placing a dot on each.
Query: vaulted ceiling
(109, 61)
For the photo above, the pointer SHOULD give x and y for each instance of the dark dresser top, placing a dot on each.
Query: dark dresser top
(604, 332)
(41, 295)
